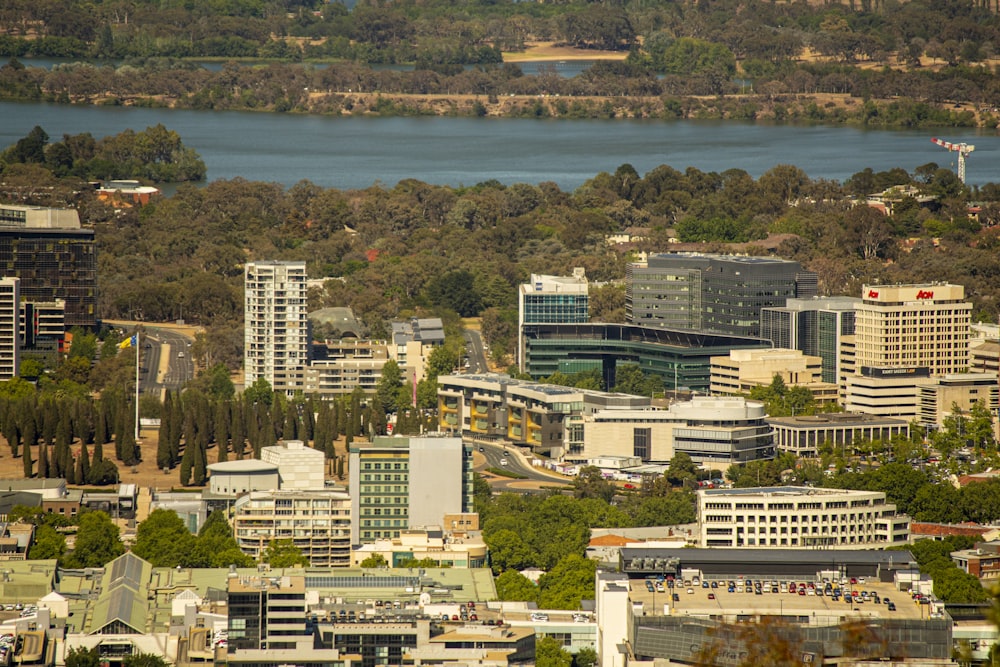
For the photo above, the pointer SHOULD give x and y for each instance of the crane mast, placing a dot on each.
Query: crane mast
(962, 149)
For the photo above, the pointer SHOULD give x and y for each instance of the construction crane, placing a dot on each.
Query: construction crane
(962, 150)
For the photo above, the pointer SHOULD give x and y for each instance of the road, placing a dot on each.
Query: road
(161, 364)
(516, 463)
(476, 351)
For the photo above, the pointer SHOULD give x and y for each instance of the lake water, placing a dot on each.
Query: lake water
(355, 152)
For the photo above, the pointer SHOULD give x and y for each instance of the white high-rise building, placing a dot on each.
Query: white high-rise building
(10, 316)
(276, 323)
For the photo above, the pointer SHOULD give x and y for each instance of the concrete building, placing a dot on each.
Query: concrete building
(276, 346)
(719, 293)
(10, 339)
(815, 326)
(267, 614)
(413, 342)
(682, 359)
(526, 413)
(805, 435)
(715, 432)
(965, 390)
(402, 482)
(799, 517)
(339, 367)
(233, 478)
(913, 326)
(54, 257)
(693, 625)
(741, 371)
(551, 300)
(318, 522)
(300, 468)
(448, 548)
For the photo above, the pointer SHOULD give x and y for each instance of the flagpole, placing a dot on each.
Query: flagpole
(137, 386)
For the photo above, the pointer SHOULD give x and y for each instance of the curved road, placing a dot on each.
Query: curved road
(491, 455)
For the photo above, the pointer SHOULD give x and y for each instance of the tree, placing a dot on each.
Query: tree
(387, 391)
(163, 539)
(283, 553)
(48, 544)
(97, 542)
(590, 483)
(682, 469)
(585, 657)
(571, 580)
(83, 657)
(375, 561)
(549, 652)
(215, 545)
(144, 660)
(512, 585)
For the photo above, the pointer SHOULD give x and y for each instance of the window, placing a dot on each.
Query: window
(640, 442)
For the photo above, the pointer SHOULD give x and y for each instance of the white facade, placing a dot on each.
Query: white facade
(300, 468)
(10, 316)
(276, 345)
(612, 615)
(799, 517)
(713, 431)
(318, 522)
(913, 326)
(232, 478)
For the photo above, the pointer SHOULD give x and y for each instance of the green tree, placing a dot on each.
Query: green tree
(163, 539)
(590, 483)
(283, 553)
(48, 544)
(387, 391)
(682, 469)
(144, 660)
(375, 561)
(512, 585)
(571, 580)
(83, 657)
(585, 657)
(97, 542)
(215, 545)
(549, 652)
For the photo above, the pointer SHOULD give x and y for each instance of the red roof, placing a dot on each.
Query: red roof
(611, 541)
(947, 529)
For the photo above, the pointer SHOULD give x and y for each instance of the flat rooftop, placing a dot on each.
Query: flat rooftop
(821, 609)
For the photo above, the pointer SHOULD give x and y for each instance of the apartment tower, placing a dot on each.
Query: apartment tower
(276, 324)
(551, 300)
(10, 315)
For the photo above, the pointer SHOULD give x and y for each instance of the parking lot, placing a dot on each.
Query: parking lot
(776, 598)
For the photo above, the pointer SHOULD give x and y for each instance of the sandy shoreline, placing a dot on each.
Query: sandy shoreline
(544, 51)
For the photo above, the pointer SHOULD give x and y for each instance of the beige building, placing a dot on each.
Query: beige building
(317, 522)
(341, 366)
(448, 548)
(743, 370)
(300, 468)
(913, 326)
(797, 517)
(937, 401)
(805, 435)
(714, 431)
(276, 326)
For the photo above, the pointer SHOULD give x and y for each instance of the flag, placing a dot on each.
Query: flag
(131, 341)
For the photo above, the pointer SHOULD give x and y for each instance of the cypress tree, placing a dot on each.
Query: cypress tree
(100, 428)
(43, 460)
(84, 462)
(238, 432)
(222, 423)
(70, 471)
(278, 416)
(290, 430)
(187, 462)
(200, 468)
(26, 456)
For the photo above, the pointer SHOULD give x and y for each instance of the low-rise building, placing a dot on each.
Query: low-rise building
(526, 413)
(804, 435)
(714, 431)
(741, 371)
(799, 517)
(982, 561)
(413, 342)
(318, 522)
(447, 548)
(300, 468)
(233, 478)
(339, 367)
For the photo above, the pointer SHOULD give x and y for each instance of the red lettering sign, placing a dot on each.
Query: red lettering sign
(924, 294)
(872, 294)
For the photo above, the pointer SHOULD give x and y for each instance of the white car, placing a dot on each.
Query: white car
(503, 462)
(539, 617)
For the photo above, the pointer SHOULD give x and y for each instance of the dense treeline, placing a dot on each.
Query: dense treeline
(925, 52)
(606, 90)
(155, 154)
